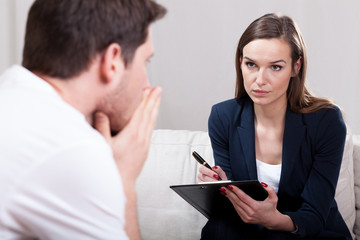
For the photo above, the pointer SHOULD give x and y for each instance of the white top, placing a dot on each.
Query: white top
(58, 178)
(269, 174)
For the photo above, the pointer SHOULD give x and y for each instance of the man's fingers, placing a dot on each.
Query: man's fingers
(142, 112)
(152, 93)
(102, 124)
(148, 111)
(152, 102)
(154, 114)
(148, 128)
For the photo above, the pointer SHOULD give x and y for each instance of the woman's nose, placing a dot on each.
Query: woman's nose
(261, 77)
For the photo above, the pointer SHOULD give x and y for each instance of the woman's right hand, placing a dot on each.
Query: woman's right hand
(207, 175)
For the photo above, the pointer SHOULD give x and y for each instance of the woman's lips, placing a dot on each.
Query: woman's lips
(260, 92)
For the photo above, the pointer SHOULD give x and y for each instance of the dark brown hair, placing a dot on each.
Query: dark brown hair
(284, 28)
(63, 36)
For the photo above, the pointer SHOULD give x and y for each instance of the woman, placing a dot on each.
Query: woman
(277, 132)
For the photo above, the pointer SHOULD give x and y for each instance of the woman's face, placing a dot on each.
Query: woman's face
(267, 68)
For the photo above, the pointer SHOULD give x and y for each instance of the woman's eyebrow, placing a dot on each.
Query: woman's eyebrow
(249, 59)
(277, 61)
(273, 62)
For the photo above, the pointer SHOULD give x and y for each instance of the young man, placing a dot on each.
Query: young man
(83, 65)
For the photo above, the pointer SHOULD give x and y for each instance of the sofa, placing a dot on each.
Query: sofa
(165, 215)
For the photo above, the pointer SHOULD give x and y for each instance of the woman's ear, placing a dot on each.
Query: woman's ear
(297, 67)
(112, 64)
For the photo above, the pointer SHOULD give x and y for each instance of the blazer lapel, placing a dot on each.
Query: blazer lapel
(293, 137)
(246, 133)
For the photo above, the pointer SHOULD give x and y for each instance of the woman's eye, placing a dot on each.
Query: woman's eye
(276, 67)
(250, 64)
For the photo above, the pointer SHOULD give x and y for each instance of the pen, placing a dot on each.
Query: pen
(202, 161)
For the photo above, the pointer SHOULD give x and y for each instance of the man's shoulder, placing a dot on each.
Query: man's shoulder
(40, 128)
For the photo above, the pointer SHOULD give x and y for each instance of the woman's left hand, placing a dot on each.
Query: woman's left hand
(259, 212)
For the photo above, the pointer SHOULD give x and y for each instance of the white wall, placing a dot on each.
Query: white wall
(13, 14)
(7, 35)
(195, 46)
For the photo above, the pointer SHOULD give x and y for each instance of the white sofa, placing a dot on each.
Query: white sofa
(165, 215)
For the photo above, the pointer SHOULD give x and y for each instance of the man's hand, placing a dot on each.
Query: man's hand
(131, 145)
(130, 148)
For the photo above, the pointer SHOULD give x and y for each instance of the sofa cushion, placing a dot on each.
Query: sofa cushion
(162, 213)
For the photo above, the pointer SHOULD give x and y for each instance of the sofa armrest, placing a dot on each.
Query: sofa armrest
(356, 157)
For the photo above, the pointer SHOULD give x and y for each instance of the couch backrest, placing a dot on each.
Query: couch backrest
(162, 213)
(165, 215)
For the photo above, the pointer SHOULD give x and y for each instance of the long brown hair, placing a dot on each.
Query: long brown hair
(284, 28)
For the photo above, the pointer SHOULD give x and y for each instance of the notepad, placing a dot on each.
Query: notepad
(206, 197)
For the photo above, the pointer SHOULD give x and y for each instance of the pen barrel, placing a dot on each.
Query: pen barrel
(202, 161)
(206, 165)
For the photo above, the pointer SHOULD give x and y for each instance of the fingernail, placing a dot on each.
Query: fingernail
(230, 187)
(222, 189)
(223, 193)
(215, 167)
(264, 184)
(146, 91)
(216, 176)
(159, 89)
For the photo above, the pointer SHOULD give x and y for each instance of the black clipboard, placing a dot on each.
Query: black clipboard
(206, 197)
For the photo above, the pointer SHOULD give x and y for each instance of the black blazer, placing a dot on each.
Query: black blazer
(313, 146)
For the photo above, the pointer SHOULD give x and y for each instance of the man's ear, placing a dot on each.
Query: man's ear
(112, 64)
(297, 67)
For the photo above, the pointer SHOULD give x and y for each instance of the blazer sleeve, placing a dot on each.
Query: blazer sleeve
(319, 190)
(219, 136)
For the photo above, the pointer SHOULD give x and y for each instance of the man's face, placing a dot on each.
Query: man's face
(122, 102)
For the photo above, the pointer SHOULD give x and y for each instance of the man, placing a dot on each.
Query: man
(83, 65)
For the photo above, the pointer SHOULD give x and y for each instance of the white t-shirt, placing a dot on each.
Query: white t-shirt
(269, 174)
(58, 178)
